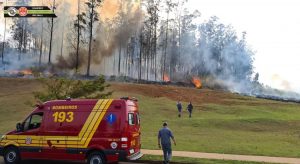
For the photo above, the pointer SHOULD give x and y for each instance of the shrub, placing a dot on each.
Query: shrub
(61, 88)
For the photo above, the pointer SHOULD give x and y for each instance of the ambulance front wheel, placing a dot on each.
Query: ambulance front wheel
(11, 155)
(96, 158)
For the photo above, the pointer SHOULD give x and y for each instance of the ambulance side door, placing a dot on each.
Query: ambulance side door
(29, 137)
(54, 139)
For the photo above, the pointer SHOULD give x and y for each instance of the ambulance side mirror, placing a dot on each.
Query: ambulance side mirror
(19, 127)
(40, 106)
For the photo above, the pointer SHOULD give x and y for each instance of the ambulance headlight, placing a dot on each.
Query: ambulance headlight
(3, 137)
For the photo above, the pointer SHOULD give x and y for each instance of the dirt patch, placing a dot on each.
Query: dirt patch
(12, 86)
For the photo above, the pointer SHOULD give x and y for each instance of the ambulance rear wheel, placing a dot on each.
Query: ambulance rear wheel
(12, 156)
(96, 158)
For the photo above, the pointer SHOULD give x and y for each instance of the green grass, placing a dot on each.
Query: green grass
(269, 128)
(237, 125)
(182, 160)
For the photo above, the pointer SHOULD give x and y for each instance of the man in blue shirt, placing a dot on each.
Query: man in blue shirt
(164, 142)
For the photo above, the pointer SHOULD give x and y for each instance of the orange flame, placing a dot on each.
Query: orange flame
(26, 72)
(197, 82)
(166, 78)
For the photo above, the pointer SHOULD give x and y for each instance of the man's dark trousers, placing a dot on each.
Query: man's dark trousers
(167, 149)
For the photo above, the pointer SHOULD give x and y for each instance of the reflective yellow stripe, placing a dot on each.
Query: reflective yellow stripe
(93, 124)
(82, 140)
(97, 125)
(89, 119)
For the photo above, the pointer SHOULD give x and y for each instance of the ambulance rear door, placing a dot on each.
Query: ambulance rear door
(134, 130)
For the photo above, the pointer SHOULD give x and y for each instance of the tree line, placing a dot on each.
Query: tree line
(145, 40)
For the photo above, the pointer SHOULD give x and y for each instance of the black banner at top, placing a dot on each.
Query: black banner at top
(28, 11)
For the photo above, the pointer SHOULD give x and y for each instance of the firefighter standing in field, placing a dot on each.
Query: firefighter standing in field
(179, 107)
(190, 109)
(164, 141)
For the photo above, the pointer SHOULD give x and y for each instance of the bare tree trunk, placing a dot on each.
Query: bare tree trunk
(78, 37)
(120, 52)
(41, 45)
(25, 38)
(51, 34)
(42, 39)
(90, 40)
(166, 46)
(149, 52)
(21, 41)
(173, 60)
(62, 42)
(126, 60)
(179, 35)
(62, 36)
(36, 47)
(140, 58)
(179, 42)
(114, 67)
(155, 49)
(4, 39)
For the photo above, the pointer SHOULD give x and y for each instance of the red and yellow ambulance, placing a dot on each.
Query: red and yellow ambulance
(96, 131)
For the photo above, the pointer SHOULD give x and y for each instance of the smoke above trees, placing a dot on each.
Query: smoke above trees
(143, 40)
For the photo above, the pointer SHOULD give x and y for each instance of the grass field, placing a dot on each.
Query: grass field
(222, 122)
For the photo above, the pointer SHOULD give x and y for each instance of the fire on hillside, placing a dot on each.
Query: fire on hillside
(194, 81)
(17, 73)
(166, 78)
(197, 82)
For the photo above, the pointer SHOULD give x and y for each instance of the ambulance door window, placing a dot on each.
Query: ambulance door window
(33, 122)
(131, 118)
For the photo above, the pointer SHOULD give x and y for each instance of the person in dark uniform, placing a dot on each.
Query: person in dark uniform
(190, 109)
(179, 108)
(164, 142)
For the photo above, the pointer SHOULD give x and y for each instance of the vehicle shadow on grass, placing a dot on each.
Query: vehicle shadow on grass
(48, 162)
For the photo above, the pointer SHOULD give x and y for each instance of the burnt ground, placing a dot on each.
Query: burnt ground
(186, 94)
(173, 92)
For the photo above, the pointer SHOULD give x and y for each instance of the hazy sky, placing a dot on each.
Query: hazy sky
(273, 31)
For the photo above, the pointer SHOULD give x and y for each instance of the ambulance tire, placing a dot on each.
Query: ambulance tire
(11, 155)
(96, 158)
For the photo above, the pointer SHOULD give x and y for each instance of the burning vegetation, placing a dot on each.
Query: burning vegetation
(166, 78)
(197, 82)
(17, 73)
(26, 72)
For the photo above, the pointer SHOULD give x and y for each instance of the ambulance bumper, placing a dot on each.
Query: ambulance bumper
(135, 156)
(124, 157)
